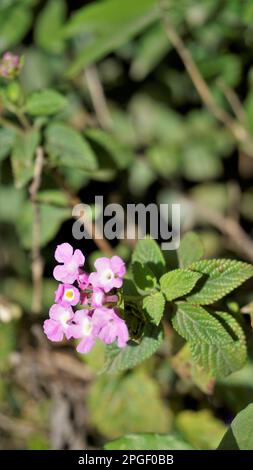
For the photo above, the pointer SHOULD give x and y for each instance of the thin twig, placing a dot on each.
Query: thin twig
(23, 119)
(90, 227)
(233, 100)
(97, 96)
(239, 132)
(37, 262)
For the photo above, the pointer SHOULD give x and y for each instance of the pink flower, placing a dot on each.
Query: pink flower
(68, 271)
(109, 273)
(58, 324)
(83, 279)
(97, 298)
(83, 328)
(10, 65)
(108, 327)
(66, 294)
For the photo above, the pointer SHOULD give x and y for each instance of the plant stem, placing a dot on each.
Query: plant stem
(10, 125)
(37, 262)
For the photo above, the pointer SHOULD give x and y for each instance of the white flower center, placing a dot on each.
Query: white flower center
(107, 275)
(98, 297)
(65, 317)
(72, 267)
(86, 326)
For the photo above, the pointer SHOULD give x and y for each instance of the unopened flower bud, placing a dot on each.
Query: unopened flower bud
(10, 65)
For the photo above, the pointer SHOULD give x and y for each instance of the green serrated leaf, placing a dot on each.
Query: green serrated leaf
(216, 341)
(190, 372)
(145, 441)
(240, 434)
(148, 252)
(133, 354)
(191, 249)
(178, 283)
(196, 324)
(220, 276)
(23, 156)
(45, 103)
(154, 305)
(67, 147)
(226, 359)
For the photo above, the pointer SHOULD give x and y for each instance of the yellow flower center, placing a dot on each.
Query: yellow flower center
(69, 294)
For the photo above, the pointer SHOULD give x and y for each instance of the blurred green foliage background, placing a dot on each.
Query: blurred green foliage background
(131, 105)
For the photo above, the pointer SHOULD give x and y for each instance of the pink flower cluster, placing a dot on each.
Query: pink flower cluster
(10, 65)
(98, 318)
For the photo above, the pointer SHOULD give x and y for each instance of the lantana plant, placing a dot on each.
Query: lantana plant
(128, 311)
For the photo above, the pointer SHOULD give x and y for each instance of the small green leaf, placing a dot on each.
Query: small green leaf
(53, 197)
(148, 442)
(116, 404)
(150, 50)
(148, 252)
(67, 147)
(51, 220)
(121, 359)
(143, 277)
(45, 103)
(15, 21)
(15, 197)
(154, 305)
(23, 156)
(108, 27)
(7, 138)
(112, 149)
(191, 249)
(48, 26)
(200, 428)
(240, 433)
(220, 276)
(210, 168)
(178, 283)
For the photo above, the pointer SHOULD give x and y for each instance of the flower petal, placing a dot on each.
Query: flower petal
(53, 330)
(85, 344)
(60, 273)
(78, 258)
(102, 263)
(63, 253)
(118, 266)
